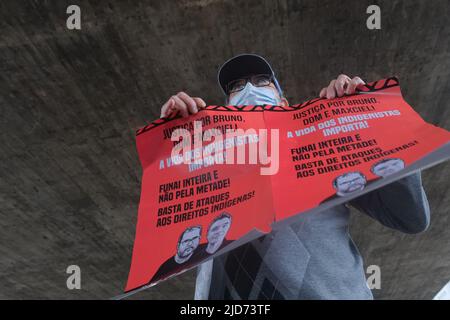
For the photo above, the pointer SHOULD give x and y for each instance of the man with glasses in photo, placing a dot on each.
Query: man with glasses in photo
(185, 256)
(314, 258)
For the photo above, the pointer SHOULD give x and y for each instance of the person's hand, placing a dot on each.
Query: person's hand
(340, 86)
(182, 102)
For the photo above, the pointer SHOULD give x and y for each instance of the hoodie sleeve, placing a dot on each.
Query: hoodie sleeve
(401, 205)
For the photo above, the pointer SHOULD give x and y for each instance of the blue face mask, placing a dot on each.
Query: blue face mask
(252, 95)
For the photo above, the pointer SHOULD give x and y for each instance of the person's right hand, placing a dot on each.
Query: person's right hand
(184, 103)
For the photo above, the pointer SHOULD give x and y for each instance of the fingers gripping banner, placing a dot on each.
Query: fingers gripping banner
(229, 174)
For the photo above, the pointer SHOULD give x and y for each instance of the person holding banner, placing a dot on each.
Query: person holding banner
(388, 166)
(314, 258)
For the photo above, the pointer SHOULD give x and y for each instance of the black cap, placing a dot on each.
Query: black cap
(241, 66)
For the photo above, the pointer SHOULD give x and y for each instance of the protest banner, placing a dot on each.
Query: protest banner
(229, 174)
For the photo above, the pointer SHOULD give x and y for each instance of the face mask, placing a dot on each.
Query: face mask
(252, 95)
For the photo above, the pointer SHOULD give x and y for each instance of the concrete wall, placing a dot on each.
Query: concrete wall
(71, 100)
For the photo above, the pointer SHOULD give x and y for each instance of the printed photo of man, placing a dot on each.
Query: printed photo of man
(349, 182)
(249, 79)
(387, 167)
(216, 236)
(217, 231)
(187, 243)
(186, 246)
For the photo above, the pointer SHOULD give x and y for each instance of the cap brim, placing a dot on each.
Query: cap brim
(241, 66)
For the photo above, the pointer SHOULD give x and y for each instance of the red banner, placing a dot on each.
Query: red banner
(212, 179)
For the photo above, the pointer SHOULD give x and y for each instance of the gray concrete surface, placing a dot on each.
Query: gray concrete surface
(71, 100)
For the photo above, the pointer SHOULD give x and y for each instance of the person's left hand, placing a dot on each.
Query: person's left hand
(340, 86)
